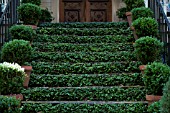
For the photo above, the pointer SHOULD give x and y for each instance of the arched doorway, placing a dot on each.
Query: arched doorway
(85, 10)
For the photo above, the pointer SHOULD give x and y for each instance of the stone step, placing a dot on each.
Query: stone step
(84, 68)
(86, 102)
(84, 31)
(84, 39)
(84, 107)
(84, 56)
(68, 47)
(100, 93)
(87, 25)
(80, 80)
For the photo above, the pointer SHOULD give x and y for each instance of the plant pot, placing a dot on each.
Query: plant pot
(152, 98)
(134, 32)
(129, 18)
(32, 26)
(142, 68)
(17, 96)
(27, 70)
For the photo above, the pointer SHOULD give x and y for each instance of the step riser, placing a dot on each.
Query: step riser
(84, 39)
(85, 80)
(84, 68)
(88, 25)
(84, 32)
(84, 94)
(66, 47)
(85, 108)
(83, 57)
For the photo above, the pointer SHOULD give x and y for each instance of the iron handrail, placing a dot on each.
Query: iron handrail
(164, 27)
(164, 15)
(8, 17)
(5, 11)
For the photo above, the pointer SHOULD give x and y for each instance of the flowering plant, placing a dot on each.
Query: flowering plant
(11, 78)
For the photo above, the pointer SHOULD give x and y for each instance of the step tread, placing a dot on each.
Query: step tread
(88, 87)
(85, 102)
(113, 74)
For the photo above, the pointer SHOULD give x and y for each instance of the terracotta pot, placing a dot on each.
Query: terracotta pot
(134, 32)
(142, 68)
(128, 14)
(129, 18)
(152, 98)
(32, 26)
(17, 96)
(27, 70)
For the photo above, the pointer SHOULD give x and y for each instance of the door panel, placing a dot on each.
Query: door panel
(85, 11)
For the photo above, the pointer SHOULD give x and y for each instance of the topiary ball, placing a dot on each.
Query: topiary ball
(29, 13)
(17, 51)
(141, 12)
(22, 32)
(146, 26)
(36, 2)
(155, 76)
(147, 49)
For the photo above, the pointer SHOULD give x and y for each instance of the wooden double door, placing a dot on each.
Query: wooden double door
(85, 10)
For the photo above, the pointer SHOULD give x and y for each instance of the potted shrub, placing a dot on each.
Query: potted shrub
(22, 32)
(18, 51)
(130, 4)
(155, 76)
(9, 105)
(121, 13)
(165, 100)
(147, 49)
(29, 13)
(11, 79)
(145, 26)
(138, 13)
(45, 16)
(141, 12)
(154, 107)
(36, 2)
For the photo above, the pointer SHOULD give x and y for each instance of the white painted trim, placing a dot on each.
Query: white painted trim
(146, 3)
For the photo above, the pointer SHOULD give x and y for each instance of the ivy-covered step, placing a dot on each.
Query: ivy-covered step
(115, 93)
(84, 39)
(84, 56)
(82, 80)
(84, 68)
(95, 47)
(84, 107)
(84, 31)
(87, 25)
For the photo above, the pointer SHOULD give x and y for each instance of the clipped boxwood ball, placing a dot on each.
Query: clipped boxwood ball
(29, 13)
(22, 32)
(36, 2)
(17, 51)
(146, 26)
(141, 12)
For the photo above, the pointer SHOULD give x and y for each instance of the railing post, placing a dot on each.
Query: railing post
(0, 10)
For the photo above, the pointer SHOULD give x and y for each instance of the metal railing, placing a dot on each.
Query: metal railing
(164, 27)
(8, 17)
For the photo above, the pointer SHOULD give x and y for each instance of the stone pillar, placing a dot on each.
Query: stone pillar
(53, 6)
(116, 4)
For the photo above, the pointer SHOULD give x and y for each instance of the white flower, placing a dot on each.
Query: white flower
(12, 66)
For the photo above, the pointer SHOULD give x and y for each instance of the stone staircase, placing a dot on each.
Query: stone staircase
(84, 67)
